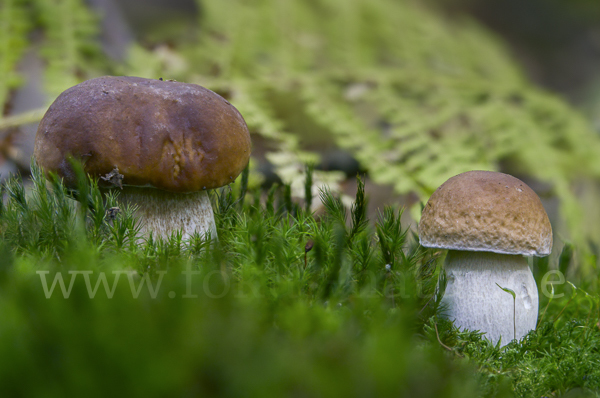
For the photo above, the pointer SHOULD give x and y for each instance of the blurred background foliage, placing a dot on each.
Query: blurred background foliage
(410, 92)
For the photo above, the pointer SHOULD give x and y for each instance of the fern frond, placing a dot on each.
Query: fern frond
(15, 23)
(69, 47)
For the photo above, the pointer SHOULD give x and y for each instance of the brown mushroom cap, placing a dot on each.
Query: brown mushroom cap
(173, 136)
(486, 211)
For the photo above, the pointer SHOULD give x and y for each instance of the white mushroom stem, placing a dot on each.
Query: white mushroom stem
(474, 301)
(163, 213)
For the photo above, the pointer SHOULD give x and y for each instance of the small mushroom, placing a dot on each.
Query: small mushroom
(488, 221)
(165, 142)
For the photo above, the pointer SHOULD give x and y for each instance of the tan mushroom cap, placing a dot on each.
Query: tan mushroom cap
(486, 211)
(168, 135)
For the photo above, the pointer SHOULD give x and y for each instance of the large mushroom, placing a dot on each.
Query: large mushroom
(488, 221)
(164, 143)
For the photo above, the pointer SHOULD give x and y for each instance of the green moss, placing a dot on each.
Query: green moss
(282, 304)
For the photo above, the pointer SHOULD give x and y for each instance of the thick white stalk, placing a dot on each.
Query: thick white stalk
(475, 302)
(162, 212)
